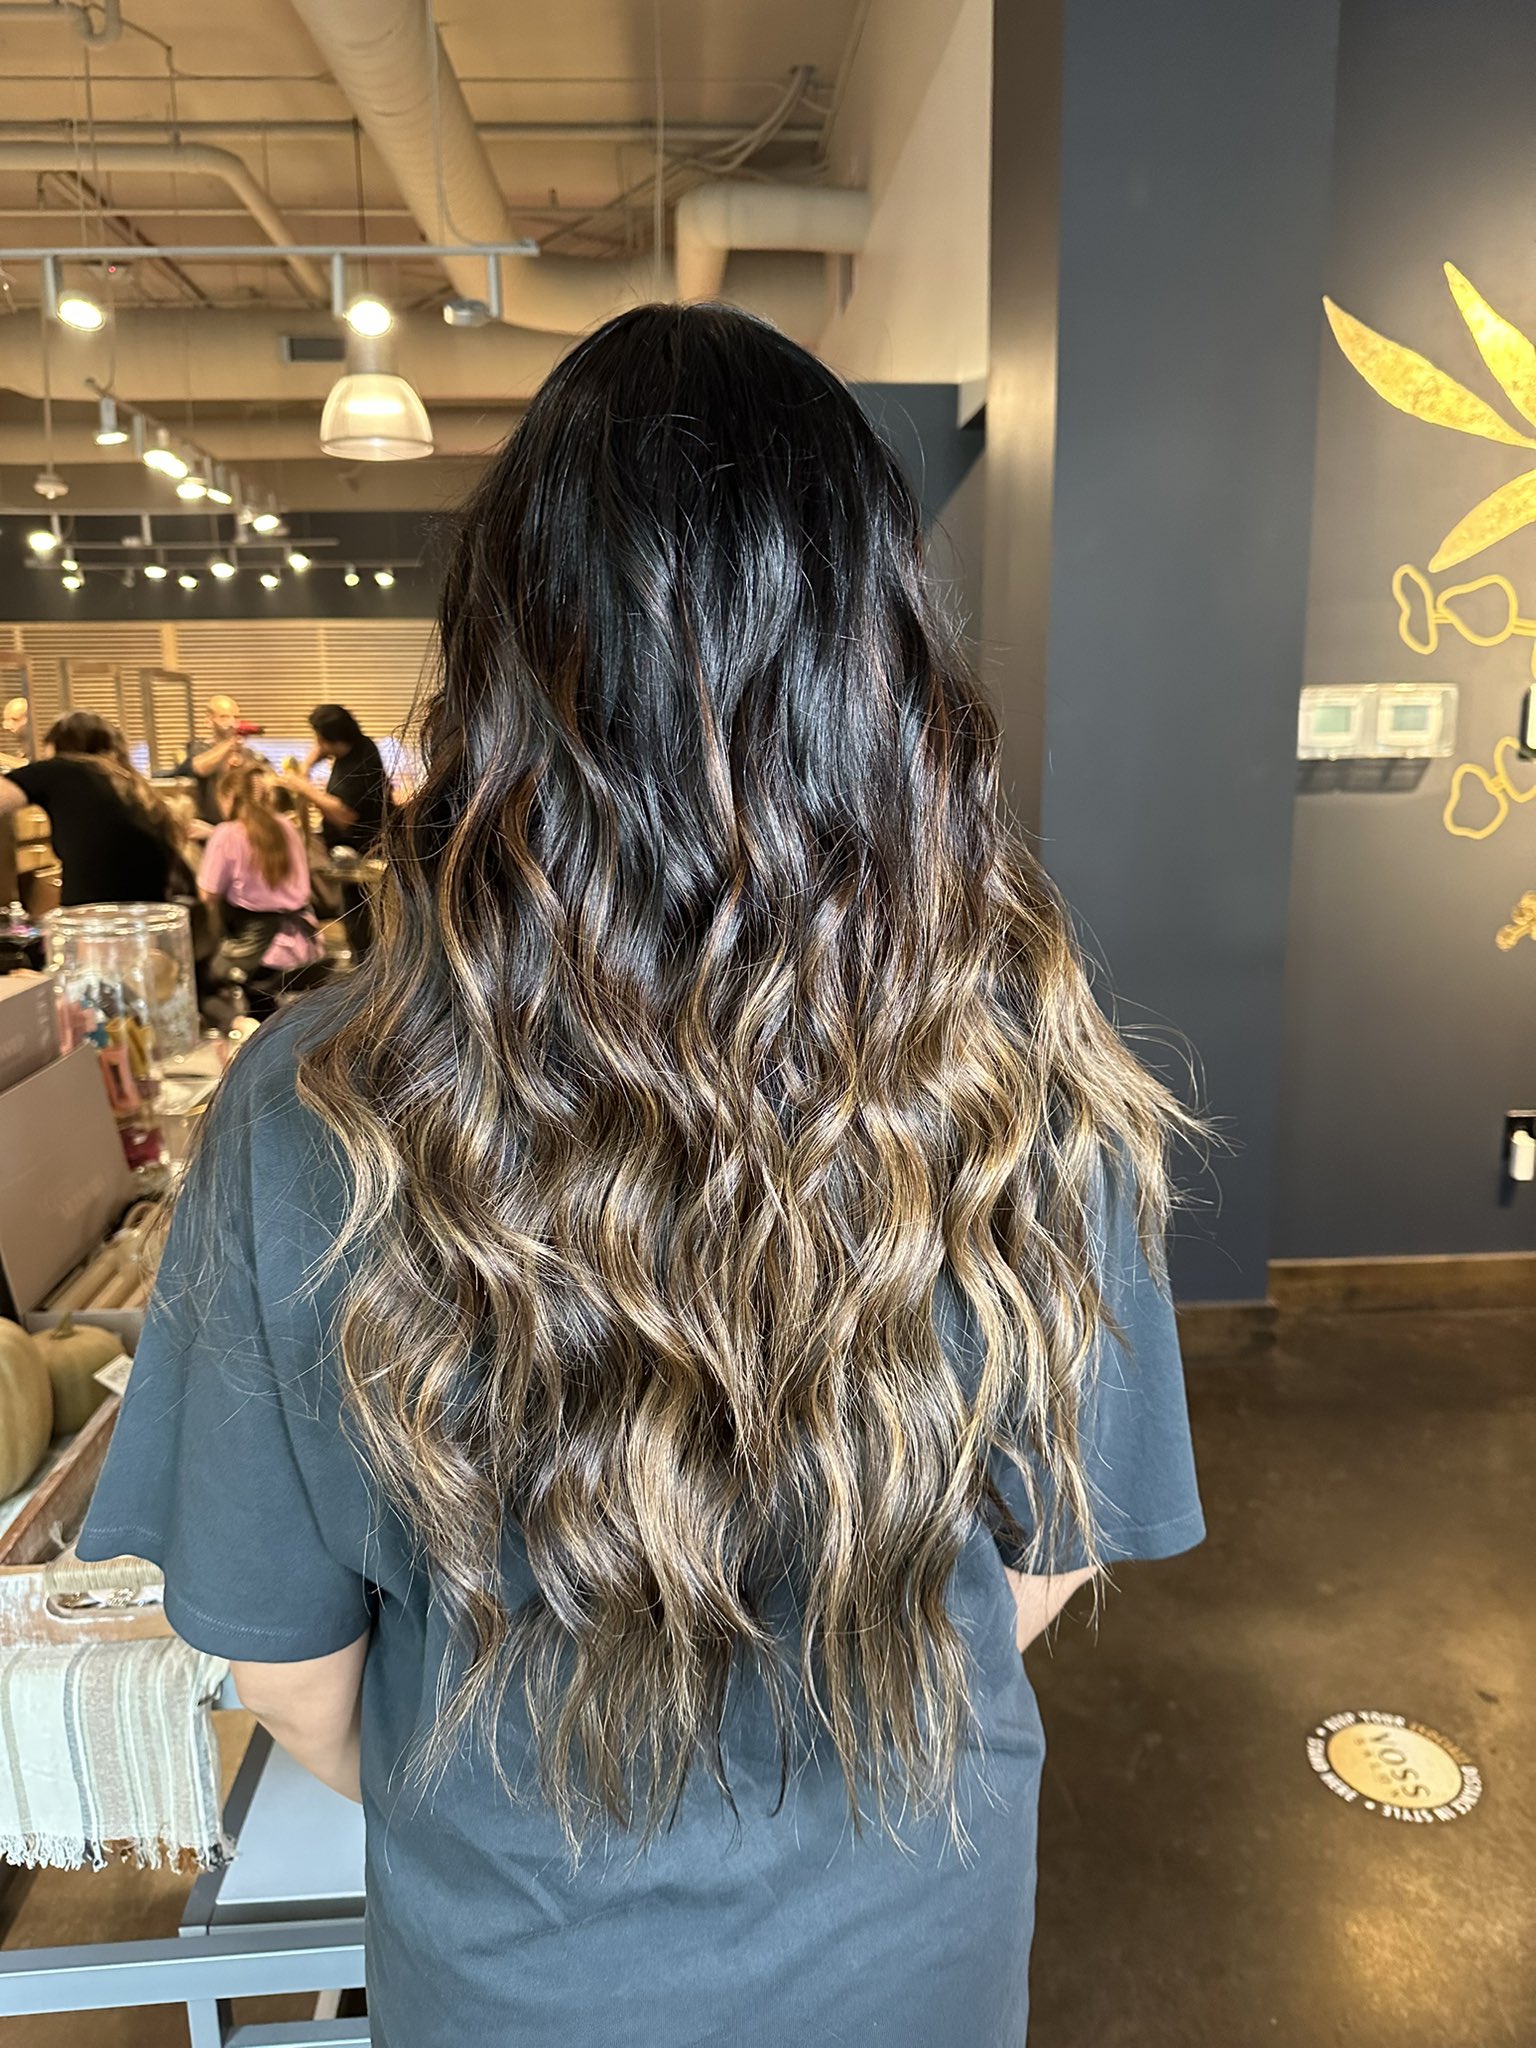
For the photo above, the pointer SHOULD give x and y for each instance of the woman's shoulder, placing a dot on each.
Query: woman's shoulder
(260, 1091)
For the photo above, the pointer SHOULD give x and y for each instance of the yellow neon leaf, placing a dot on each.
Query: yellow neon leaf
(1506, 351)
(1501, 513)
(1414, 385)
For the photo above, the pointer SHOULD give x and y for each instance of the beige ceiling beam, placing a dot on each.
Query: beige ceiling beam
(692, 133)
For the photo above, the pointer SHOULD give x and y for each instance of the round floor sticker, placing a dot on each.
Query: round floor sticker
(1395, 1767)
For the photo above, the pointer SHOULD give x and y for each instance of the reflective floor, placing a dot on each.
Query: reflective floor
(1370, 1489)
(1371, 1492)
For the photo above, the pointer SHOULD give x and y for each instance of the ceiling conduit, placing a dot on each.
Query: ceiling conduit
(155, 359)
(199, 159)
(388, 59)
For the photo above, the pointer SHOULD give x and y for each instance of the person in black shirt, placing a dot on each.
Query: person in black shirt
(353, 805)
(206, 762)
(115, 839)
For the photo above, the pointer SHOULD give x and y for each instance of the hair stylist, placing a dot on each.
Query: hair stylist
(206, 763)
(353, 805)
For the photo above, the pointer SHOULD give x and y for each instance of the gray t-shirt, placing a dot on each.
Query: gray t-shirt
(232, 1469)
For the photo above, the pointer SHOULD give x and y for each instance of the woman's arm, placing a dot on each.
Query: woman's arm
(328, 806)
(314, 1710)
(1040, 1599)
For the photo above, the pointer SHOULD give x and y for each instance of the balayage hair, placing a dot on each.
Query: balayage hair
(716, 1018)
(245, 796)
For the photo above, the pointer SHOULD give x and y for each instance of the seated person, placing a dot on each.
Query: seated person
(116, 839)
(254, 870)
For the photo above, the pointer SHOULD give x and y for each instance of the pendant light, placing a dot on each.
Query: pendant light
(372, 414)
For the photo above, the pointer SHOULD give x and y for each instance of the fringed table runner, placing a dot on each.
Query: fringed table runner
(110, 1750)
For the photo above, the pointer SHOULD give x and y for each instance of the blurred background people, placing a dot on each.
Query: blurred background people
(255, 873)
(353, 805)
(14, 725)
(116, 839)
(206, 761)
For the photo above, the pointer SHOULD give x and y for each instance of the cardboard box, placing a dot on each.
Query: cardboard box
(29, 1025)
(63, 1178)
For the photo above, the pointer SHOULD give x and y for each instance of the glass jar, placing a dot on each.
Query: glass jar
(126, 986)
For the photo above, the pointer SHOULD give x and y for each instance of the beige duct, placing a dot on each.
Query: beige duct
(199, 159)
(714, 219)
(239, 440)
(389, 61)
(163, 359)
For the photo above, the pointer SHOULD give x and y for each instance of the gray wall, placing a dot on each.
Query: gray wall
(1151, 732)
(1408, 1032)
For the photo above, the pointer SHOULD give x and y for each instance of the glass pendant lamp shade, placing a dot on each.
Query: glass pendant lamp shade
(372, 414)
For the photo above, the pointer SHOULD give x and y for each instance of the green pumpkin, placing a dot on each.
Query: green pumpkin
(74, 1353)
(26, 1408)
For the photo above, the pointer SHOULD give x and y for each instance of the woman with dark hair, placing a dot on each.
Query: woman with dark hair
(702, 1308)
(116, 840)
(353, 804)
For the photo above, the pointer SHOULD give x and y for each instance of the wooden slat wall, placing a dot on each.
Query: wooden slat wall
(277, 668)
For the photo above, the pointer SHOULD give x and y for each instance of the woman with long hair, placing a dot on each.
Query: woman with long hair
(632, 1364)
(116, 838)
(254, 872)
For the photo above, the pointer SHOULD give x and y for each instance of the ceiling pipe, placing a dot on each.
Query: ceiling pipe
(165, 359)
(238, 440)
(193, 158)
(388, 59)
(694, 133)
(67, 10)
(714, 219)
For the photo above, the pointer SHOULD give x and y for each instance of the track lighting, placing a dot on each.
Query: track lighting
(369, 316)
(297, 561)
(109, 434)
(221, 568)
(192, 487)
(385, 578)
(351, 579)
(79, 311)
(161, 457)
(266, 522)
(187, 580)
(73, 582)
(156, 571)
(42, 541)
(270, 579)
(70, 566)
(219, 492)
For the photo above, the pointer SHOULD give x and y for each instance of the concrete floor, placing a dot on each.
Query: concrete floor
(1369, 1489)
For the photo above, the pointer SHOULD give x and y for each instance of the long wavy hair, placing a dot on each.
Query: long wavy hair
(245, 797)
(716, 1024)
(87, 736)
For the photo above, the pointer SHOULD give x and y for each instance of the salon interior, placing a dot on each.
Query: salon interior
(1207, 337)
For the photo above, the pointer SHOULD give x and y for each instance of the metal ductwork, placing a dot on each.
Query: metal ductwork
(714, 219)
(196, 158)
(163, 359)
(388, 59)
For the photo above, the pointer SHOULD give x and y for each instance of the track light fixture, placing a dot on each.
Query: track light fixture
(221, 568)
(187, 580)
(270, 579)
(351, 579)
(73, 581)
(164, 459)
(297, 561)
(385, 578)
(110, 433)
(156, 571)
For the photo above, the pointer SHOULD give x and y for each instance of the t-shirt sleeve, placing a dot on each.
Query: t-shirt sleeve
(1134, 1430)
(36, 779)
(219, 1455)
(216, 867)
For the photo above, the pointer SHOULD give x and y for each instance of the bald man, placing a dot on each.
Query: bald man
(206, 762)
(14, 729)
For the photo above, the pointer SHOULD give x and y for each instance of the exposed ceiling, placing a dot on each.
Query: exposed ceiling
(565, 95)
